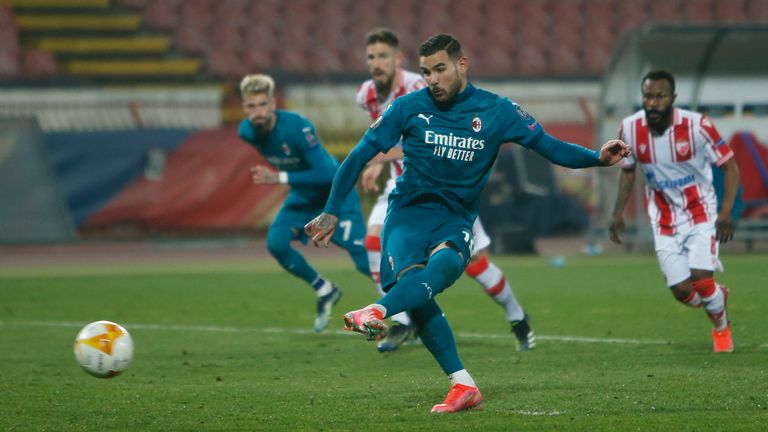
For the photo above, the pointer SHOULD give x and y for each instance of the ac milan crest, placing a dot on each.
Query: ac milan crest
(477, 124)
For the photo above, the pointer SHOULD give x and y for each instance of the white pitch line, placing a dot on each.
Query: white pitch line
(226, 329)
(537, 413)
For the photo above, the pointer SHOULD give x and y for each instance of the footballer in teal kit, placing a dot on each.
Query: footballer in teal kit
(451, 133)
(289, 143)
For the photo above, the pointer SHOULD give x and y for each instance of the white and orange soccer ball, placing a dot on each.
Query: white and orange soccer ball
(104, 349)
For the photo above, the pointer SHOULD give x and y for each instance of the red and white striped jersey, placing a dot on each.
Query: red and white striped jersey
(678, 168)
(369, 101)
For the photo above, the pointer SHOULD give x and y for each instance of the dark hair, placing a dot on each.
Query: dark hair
(660, 74)
(439, 43)
(383, 35)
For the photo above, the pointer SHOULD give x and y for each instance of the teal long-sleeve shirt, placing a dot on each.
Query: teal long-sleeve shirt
(449, 150)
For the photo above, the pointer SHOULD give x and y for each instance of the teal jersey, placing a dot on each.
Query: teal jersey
(293, 147)
(449, 151)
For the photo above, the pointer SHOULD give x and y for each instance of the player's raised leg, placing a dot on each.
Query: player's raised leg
(401, 329)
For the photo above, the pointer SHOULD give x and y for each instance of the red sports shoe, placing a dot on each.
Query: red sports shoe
(368, 321)
(460, 398)
(723, 341)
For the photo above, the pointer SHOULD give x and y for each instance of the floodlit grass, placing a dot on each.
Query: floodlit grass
(230, 347)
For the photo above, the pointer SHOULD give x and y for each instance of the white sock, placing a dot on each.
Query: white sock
(492, 279)
(462, 377)
(715, 307)
(374, 265)
(402, 318)
(694, 300)
(326, 289)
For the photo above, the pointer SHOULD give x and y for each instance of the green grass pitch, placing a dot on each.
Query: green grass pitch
(229, 347)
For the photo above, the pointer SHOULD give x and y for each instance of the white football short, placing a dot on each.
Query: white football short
(690, 248)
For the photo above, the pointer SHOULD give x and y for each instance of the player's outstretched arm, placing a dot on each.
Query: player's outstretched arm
(626, 183)
(575, 156)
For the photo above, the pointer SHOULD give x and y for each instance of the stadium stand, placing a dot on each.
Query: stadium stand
(90, 41)
(9, 44)
(224, 38)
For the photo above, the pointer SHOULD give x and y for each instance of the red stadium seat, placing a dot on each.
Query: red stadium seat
(264, 11)
(565, 60)
(598, 43)
(292, 60)
(39, 64)
(493, 61)
(531, 60)
(665, 12)
(595, 59)
(233, 13)
(326, 61)
(535, 14)
(226, 37)
(192, 40)
(163, 14)
(300, 13)
(257, 59)
(196, 13)
(9, 38)
(631, 15)
(9, 63)
(228, 63)
(731, 12)
(757, 11)
(599, 12)
(699, 11)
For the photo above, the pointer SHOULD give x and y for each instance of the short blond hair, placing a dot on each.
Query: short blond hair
(257, 84)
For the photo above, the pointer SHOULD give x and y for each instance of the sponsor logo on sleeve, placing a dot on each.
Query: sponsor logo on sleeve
(309, 136)
(523, 113)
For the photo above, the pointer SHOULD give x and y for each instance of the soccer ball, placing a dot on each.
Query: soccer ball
(104, 349)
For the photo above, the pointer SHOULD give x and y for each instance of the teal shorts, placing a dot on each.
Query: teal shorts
(349, 235)
(411, 233)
